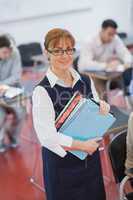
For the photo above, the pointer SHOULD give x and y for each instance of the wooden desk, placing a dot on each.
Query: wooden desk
(18, 100)
(103, 75)
(106, 79)
(17, 107)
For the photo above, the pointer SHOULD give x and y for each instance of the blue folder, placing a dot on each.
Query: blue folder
(86, 123)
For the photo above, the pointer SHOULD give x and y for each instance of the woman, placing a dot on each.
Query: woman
(66, 177)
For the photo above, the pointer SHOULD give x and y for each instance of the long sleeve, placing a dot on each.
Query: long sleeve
(86, 58)
(122, 52)
(16, 70)
(44, 123)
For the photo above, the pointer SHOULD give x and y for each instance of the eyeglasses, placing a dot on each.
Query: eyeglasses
(60, 52)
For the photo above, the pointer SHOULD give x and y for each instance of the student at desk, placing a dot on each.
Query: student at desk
(104, 51)
(65, 176)
(10, 75)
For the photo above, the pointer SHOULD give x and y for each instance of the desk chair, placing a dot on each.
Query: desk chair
(122, 35)
(27, 51)
(127, 77)
(117, 154)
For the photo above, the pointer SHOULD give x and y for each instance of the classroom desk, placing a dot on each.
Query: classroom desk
(17, 104)
(106, 77)
(9, 101)
(17, 107)
(103, 75)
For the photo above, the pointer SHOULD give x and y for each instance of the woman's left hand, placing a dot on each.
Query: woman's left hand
(104, 108)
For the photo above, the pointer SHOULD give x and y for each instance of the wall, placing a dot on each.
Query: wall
(82, 23)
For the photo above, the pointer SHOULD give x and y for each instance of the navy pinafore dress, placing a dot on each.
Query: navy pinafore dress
(70, 178)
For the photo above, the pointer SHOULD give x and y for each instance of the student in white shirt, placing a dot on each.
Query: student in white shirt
(65, 176)
(105, 51)
(10, 75)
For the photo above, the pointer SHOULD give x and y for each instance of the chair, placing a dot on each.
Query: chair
(127, 79)
(122, 35)
(27, 51)
(117, 154)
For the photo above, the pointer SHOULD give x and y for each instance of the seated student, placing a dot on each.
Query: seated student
(129, 159)
(65, 176)
(10, 75)
(105, 51)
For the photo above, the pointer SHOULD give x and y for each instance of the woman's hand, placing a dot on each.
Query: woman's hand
(90, 146)
(104, 108)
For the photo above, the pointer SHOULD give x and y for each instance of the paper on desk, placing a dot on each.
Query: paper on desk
(119, 68)
(13, 92)
(95, 68)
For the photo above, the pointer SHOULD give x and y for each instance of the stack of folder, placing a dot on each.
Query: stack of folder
(81, 120)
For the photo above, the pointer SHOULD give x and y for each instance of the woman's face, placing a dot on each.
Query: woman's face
(58, 58)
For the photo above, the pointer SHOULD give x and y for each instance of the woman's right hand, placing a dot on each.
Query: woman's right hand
(90, 146)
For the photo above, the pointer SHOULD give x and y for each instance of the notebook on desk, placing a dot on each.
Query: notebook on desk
(13, 92)
(85, 122)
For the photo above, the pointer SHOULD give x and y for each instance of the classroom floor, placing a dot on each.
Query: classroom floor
(18, 166)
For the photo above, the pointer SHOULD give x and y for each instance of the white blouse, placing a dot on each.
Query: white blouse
(44, 115)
